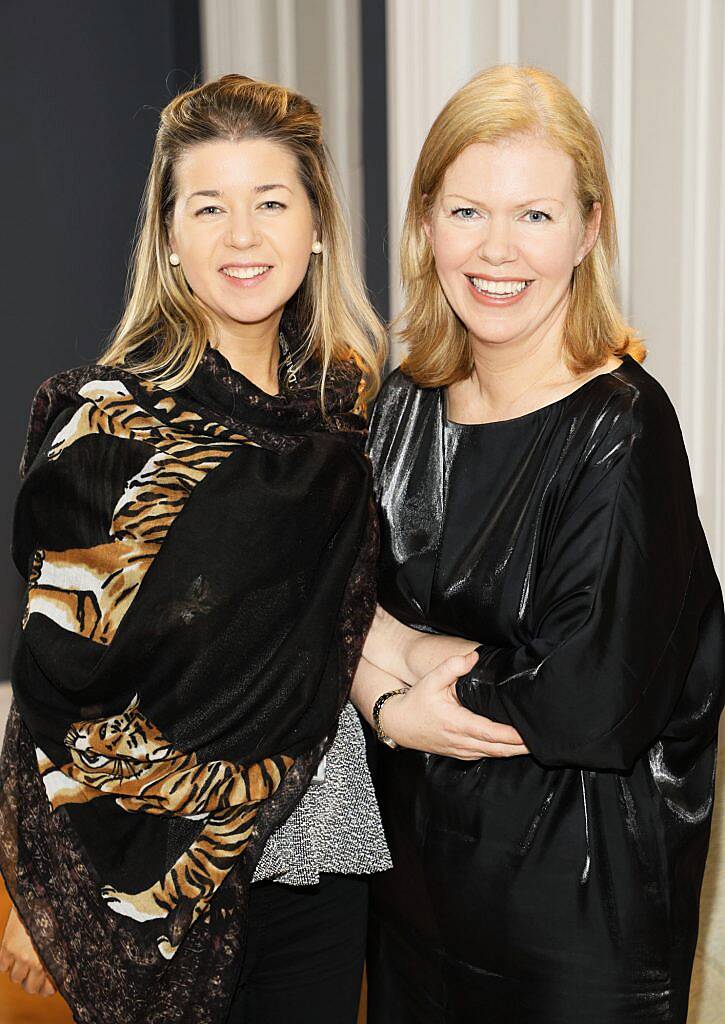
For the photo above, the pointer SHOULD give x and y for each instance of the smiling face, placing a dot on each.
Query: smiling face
(243, 228)
(506, 234)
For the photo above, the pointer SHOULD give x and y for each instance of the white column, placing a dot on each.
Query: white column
(581, 47)
(287, 43)
(265, 39)
(720, 340)
(621, 169)
(235, 38)
(696, 214)
(432, 51)
(508, 31)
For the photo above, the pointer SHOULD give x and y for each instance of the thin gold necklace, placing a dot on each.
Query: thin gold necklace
(521, 394)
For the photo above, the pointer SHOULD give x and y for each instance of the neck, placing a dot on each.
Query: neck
(252, 350)
(504, 372)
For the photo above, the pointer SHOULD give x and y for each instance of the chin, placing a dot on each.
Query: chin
(494, 334)
(252, 312)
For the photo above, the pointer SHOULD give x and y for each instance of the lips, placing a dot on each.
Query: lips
(498, 292)
(245, 273)
(250, 276)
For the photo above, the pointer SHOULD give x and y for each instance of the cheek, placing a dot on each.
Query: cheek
(551, 256)
(292, 241)
(452, 248)
(195, 248)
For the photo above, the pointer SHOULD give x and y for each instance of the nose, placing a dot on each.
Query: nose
(242, 233)
(497, 245)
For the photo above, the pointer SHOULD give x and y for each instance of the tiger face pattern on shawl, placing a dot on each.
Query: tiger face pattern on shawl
(199, 571)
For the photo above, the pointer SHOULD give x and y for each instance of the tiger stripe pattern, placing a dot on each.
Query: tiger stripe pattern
(89, 590)
(127, 757)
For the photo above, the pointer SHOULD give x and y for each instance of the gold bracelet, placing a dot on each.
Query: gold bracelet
(377, 708)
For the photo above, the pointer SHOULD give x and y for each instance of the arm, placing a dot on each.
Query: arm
(429, 717)
(617, 606)
(407, 653)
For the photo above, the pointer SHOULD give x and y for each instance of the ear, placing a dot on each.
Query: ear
(591, 232)
(164, 753)
(133, 706)
(427, 222)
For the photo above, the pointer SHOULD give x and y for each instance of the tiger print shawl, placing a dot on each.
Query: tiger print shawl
(199, 569)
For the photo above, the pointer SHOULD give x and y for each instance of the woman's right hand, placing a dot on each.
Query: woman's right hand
(429, 717)
(19, 959)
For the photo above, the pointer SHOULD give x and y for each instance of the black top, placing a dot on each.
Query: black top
(562, 886)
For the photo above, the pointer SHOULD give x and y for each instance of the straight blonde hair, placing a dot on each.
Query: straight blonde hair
(501, 103)
(164, 329)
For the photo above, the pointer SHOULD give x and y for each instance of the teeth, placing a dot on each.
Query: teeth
(498, 287)
(244, 272)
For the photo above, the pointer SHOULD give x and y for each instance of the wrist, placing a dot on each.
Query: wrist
(382, 707)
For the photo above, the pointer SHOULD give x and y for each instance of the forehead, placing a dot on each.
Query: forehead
(227, 165)
(511, 170)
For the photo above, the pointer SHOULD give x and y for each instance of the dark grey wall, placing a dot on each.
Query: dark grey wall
(82, 84)
(375, 151)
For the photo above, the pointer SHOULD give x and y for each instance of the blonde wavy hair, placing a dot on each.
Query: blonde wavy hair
(164, 328)
(500, 103)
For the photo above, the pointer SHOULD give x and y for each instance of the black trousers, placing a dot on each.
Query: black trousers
(305, 952)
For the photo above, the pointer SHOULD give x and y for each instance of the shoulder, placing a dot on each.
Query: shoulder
(399, 405)
(626, 436)
(398, 394)
(53, 399)
(629, 403)
(396, 387)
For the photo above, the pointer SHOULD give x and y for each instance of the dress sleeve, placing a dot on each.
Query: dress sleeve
(620, 585)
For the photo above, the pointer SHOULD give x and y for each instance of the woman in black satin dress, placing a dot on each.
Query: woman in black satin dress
(535, 499)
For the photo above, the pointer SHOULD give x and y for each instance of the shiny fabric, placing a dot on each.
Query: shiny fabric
(200, 578)
(561, 887)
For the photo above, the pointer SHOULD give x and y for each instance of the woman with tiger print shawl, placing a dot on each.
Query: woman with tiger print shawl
(199, 556)
(182, 663)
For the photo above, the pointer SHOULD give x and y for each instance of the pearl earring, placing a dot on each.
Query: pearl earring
(174, 259)
(317, 247)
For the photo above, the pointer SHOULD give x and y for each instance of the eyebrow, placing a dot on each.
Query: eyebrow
(212, 193)
(519, 206)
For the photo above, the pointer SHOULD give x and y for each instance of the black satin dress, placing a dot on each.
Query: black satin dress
(561, 887)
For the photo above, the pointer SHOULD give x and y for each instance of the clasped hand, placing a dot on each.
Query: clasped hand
(428, 716)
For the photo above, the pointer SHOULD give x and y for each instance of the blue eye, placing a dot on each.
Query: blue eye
(464, 212)
(272, 204)
(537, 216)
(208, 209)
